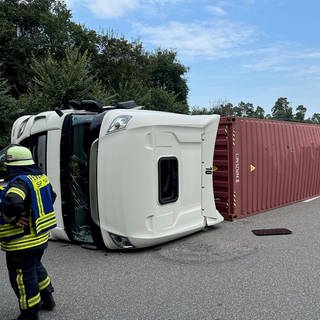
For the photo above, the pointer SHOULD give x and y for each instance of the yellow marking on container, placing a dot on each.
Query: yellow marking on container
(252, 168)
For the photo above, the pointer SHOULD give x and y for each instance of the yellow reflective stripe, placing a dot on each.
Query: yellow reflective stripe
(17, 191)
(45, 218)
(46, 225)
(27, 238)
(39, 202)
(25, 242)
(46, 221)
(22, 247)
(13, 231)
(8, 226)
(39, 182)
(34, 300)
(43, 284)
(22, 291)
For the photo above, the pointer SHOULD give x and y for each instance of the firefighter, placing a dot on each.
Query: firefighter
(27, 215)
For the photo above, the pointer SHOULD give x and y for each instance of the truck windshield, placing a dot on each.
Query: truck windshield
(75, 149)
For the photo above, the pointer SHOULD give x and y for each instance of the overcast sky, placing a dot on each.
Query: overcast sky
(237, 50)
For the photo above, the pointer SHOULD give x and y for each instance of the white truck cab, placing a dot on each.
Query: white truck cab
(125, 178)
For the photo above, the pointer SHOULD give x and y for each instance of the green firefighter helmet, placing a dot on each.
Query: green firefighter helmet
(18, 156)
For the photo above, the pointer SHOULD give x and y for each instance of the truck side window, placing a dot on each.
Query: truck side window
(38, 145)
(168, 180)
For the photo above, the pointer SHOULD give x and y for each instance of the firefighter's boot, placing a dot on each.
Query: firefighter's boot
(48, 302)
(33, 317)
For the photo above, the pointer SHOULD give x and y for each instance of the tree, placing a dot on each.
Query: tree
(281, 110)
(163, 100)
(119, 61)
(134, 74)
(56, 82)
(32, 28)
(133, 90)
(8, 112)
(300, 113)
(225, 109)
(316, 118)
(201, 111)
(268, 116)
(63, 80)
(238, 110)
(247, 109)
(166, 72)
(259, 113)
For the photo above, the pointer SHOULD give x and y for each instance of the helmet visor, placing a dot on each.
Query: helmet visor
(3, 154)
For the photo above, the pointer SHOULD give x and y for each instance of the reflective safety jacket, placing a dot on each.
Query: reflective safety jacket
(41, 216)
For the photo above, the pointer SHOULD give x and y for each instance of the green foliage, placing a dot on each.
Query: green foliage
(127, 69)
(282, 110)
(166, 72)
(316, 118)
(151, 98)
(227, 109)
(119, 61)
(300, 113)
(259, 113)
(56, 82)
(201, 111)
(163, 100)
(63, 80)
(31, 28)
(103, 95)
(133, 90)
(8, 113)
(247, 109)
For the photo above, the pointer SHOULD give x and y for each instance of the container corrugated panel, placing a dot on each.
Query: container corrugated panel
(263, 164)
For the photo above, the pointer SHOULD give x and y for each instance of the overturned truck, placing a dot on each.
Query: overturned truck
(124, 178)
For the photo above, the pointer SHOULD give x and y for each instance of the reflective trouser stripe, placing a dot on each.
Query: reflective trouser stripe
(22, 291)
(34, 300)
(44, 284)
(25, 303)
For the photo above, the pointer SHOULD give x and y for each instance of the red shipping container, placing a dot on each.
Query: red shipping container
(264, 164)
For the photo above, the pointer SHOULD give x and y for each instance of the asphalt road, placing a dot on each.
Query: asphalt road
(224, 273)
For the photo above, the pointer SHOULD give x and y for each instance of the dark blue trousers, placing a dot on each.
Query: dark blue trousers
(29, 279)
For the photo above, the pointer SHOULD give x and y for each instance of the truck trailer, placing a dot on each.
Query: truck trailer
(262, 164)
(124, 178)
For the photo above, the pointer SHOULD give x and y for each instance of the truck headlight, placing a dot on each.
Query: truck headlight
(121, 241)
(119, 123)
